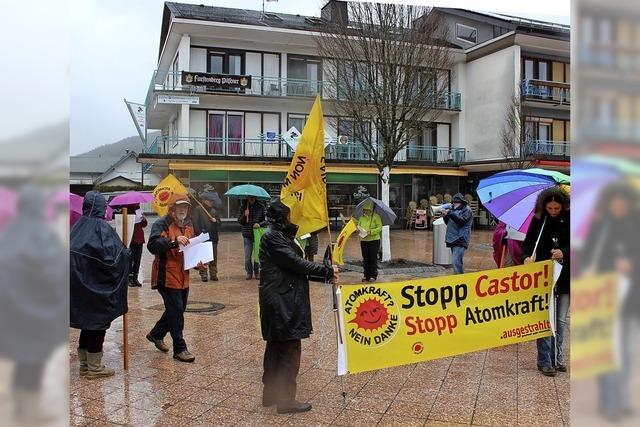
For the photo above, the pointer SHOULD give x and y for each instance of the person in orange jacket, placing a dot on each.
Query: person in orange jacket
(169, 277)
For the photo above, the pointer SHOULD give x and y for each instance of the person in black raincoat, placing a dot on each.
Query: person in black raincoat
(33, 307)
(203, 223)
(100, 266)
(285, 308)
(550, 228)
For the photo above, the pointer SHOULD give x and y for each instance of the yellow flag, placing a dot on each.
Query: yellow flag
(347, 231)
(304, 189)
(169, 186)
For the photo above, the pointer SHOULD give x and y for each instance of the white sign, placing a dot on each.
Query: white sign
(139, 116)
(198, 253)
(292, 138)
(130, 225)
(178, 99)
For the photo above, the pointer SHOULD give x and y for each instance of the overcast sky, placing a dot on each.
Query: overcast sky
(114, 48)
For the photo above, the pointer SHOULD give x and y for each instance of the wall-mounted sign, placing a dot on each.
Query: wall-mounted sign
(178, 99)
(222, 81)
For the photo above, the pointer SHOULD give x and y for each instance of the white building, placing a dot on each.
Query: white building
(268, 74)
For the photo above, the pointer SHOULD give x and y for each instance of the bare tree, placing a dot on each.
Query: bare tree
(385, 68)
(514, 136)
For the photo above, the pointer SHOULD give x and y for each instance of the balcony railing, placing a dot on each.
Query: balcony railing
(547, 91)
(277, 148)
(547, 148)
(275, 86)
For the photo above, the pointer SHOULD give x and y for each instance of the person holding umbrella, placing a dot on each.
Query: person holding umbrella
(548, 238)
(137, 243)
(369, 228)
(251, 215)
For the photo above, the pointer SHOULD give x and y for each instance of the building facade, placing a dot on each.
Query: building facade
(233, 85)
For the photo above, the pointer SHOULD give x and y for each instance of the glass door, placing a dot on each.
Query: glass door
(215, 134)
(235, 132)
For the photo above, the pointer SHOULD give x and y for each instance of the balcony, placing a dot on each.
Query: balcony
(277, 148)
(547, 91)
(541, 148)
(275, 87)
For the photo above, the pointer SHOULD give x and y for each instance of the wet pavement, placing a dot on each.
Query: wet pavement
(499, 387)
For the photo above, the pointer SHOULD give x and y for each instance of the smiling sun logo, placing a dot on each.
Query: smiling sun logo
(371, 315)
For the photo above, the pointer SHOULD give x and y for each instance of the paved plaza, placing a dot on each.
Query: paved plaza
(499, 387)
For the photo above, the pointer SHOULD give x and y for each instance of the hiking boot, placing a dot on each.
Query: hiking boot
(96, 368)
(561, 368)
(213, 278)
(84, 368)
(293, 407)
(203, 279)
(160, 345)
(547, 371)
(184, 356)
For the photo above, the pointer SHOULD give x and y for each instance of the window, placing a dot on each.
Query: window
(226, 63)
(304, 73)
(539, 69)
(467, 34)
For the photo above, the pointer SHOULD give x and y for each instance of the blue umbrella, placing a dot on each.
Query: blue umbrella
(387, 216)
(246, 190)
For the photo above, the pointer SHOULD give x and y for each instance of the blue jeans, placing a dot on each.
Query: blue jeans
(249, 266)
(615, 387)
(458, 255)
(548, 355)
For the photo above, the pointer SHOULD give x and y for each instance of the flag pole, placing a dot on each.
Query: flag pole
(125, 318)
(336, 306)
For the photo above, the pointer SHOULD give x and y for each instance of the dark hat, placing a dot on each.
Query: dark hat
(278, 211)
(459, 198)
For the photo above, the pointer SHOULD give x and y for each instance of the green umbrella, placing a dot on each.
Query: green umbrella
(246, 190)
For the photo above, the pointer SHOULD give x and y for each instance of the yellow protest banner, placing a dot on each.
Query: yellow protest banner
(347, 231)
(169, 186)
(397, 323)
(594, 322)
(304, 189)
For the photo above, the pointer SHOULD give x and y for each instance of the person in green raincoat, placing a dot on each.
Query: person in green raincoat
(369, 228)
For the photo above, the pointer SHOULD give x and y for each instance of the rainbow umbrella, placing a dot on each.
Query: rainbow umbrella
(590, 176)
(511, 195)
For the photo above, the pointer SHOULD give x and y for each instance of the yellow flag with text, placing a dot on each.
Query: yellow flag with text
(347, 231)
(169, 186)
(304, 189)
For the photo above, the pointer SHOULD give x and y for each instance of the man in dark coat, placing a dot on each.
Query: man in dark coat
(99, 272)
(208, 222)
(33, 307)
(251, 216)
(285, 308)
(459, 221)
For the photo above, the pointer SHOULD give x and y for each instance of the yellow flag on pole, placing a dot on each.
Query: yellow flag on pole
(347, 231)
(169, 186)
(304, 189)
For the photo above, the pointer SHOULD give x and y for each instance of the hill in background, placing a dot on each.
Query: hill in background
(118, 149)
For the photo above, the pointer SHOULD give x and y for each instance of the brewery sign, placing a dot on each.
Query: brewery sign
(219, 81)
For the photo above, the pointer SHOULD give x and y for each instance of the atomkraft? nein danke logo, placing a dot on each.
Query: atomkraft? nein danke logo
(372, 316)
(162, 196)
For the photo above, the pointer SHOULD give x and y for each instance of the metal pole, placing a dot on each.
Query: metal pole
(125, 319)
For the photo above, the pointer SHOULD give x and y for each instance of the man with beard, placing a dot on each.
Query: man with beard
(169, 277)
(285, 308)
